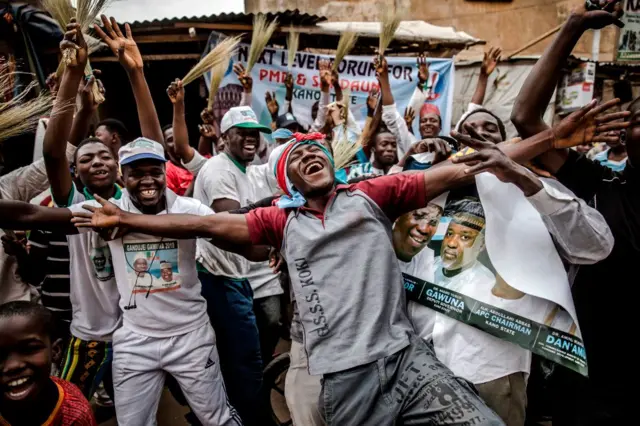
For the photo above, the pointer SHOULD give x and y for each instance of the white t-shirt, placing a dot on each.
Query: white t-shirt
(157, 278)
(221, 178)
(94, 294)
(263, 281)
(421, 266)
(472, 353)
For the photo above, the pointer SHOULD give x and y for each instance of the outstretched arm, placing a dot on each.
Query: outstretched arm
(20, 215)
(127, 52)
(230, 230)
(489, 64)
(57, 133)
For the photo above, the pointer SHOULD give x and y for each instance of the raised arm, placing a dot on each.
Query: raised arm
(247, 84)
(183, 150)
(127, 52)
(489, 64)
(532, 101)
(20, 215)
(57, 133)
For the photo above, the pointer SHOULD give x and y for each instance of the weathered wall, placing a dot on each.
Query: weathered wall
(510, 25)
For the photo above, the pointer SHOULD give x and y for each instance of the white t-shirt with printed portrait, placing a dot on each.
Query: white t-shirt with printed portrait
(154, 304)
(93, 291)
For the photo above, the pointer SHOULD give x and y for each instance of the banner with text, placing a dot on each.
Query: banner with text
(357, 74)
(629, 36)
(447, 269)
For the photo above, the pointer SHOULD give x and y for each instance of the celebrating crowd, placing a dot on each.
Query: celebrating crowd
(148, 262)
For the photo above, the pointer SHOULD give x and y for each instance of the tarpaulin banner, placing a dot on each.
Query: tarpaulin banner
(454, 266)
(357, 74)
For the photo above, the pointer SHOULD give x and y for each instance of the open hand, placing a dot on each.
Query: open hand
(490, 61)
(105, 220)
(124, 47)
(489, 158)
(438, 146)
(75, 41)
(175, 91)
(272, 104)
(423, 69)
(245, 79)
(207, 131)
(409, 116)
(325, 75)
(586, 126)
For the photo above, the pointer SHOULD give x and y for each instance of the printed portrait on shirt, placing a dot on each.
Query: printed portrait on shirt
(152, 266)
(101, 258)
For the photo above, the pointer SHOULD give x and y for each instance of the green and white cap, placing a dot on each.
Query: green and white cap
(243, 117)
(141, 149)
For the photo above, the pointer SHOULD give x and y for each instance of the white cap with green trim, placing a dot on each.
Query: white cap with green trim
(243, 117)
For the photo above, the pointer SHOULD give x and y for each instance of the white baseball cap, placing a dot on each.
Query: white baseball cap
(243, 117)
(141, 149)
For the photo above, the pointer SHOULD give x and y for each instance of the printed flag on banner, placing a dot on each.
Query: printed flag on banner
(357, 74)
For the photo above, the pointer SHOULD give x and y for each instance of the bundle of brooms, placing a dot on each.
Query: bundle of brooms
(292, 47)
(344, 150)
(18, 116)
(345, 45)
(86, 13)
(262, 32)
(388, 27)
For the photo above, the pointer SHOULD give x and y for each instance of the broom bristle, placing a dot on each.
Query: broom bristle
(88, 10)
(388, 27)
(18, 117)
(344, 150)
(292, 46)
(259, 39)
(220, 54)
(345, 44)
(217, 74)
(60, 10)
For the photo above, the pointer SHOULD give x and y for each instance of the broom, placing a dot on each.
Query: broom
(343, 149)
(86, 13)
(217, 74)
(218, 56)
(388, 27)
(345, 44)
(261, 35)
(292, 46)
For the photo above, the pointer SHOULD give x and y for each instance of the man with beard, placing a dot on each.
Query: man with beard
(349, 339)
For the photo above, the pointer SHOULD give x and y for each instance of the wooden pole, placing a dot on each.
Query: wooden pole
(536, 41)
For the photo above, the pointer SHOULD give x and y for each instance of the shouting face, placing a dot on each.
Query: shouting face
(146, 182)
(413, 231)
(25, 360)
(310, 170)
(96, 167)
(461, 246)
(242, 144)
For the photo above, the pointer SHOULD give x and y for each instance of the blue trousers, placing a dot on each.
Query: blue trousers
(230, 309)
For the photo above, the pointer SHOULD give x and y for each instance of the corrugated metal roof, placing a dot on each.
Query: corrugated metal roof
(288, 17)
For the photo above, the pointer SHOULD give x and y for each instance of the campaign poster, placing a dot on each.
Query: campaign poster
(629, 37)
(357, 75)
(152, 266)
(447, 270)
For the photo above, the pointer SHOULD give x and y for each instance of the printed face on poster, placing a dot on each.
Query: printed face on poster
(447, 269)
(152, 266)
(357, 75)
(628, 49)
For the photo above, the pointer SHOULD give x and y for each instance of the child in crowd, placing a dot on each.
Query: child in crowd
(30, 396)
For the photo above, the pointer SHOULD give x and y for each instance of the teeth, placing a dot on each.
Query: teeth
(18, 395)
(18, 382)
(149, 192)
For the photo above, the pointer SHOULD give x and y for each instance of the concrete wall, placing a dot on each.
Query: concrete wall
(510, 24)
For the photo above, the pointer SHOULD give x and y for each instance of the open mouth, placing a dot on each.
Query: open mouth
(149, 193)
(19, 388)
(313, 167)
(418, 240)
(250, 148)
(100, 174)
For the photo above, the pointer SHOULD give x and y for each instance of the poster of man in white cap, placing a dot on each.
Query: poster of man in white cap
(152, 266)
(449, 272)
